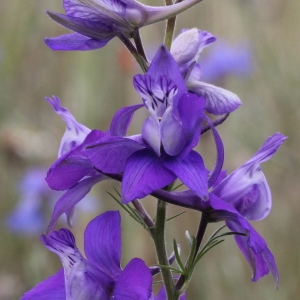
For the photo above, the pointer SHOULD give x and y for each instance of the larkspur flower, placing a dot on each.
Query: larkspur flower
(163, 151)
(99, 275)
(186, 49)
(242, 195)
(96, 22)
(76, 173)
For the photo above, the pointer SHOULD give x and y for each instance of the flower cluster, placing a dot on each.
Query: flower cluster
(180, 108)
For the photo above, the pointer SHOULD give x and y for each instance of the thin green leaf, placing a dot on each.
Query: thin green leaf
(173, 217)
(177, 186)
(170, 268)
(128, 209)
(177, 256)
(202, 253)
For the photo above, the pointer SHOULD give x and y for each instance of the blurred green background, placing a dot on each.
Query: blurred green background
(93, 85)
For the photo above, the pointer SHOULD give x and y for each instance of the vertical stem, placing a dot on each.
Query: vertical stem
(170, 28)
(158, 234)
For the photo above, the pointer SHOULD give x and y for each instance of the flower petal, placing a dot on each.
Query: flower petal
(99, 30)
(82, 279)
(52, 288)
(173, 135)
(143, 174)
(151, 133)
(218, 100)
(214, 175)
(102, 242)
(110, 153)
(188, 46)
(75, 41)
(164, 64)
(70, 168)
(135, 282)
(71, 197)
(252, 245)
(191, 171)
(122, 119)
(75, 132)
(246, 188)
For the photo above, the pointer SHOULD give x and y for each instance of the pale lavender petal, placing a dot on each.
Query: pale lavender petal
(52, 288)
(151, 133)
(144, 173)
(246, 188)
(110, 154)
(102, 242)
(122, 119)
(191, 171)
(71, 197)
(75, 132)
(75, 41)
(218, 101)
(135, 282)
(188, 45)
(173, 135)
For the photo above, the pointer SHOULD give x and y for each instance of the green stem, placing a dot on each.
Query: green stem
(139, 59)
(181, 283)
(169, 33)
(158, 233)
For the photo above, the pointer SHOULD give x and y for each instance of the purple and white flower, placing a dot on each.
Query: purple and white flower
(242, 195)
(99, 276)
(96, 22)
(186, 49)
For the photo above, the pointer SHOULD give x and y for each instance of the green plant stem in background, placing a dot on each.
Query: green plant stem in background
(158, 234)
(169, 33)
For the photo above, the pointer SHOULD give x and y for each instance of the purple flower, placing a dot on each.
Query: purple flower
(27, 216)
(36, 200)
(246, 189)
(244, 194)
(226, 59)
(99, 275)
(186, 49)
(72, 171)
(96, 22)
(163, 152)
(75, 132)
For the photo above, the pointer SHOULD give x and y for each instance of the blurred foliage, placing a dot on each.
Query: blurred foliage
(94, 84)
